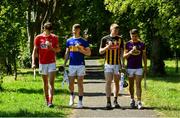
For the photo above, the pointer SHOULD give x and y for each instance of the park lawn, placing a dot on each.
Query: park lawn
(163, 93)
(24, 97)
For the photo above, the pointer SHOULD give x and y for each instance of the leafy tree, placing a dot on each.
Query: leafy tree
(11, 34)
(157, 20)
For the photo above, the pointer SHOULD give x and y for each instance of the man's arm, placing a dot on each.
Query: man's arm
(34, 55)
(56, 49)
(128, 53)
(103, 48)
(121, 57)
(66, 57)
(85, 51)
(145, 61)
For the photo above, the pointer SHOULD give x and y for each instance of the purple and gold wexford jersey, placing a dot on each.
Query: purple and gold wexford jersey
(134, 61)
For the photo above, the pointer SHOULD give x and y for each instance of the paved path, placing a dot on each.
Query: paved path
(94, 97)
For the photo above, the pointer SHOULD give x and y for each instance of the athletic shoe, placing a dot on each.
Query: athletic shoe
(50, 105)
(139, 105)
(132, 104)
(71, 101)
(80, 104)
(108, 106)
(116, 105)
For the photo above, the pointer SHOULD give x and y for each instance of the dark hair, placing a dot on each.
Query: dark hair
(134, 31)
(75, 26)
(48, 26)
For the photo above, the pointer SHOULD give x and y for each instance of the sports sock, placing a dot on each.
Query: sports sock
(80, 98)
(72, 93)
(47, 98)
(108, 100)
(115, 99)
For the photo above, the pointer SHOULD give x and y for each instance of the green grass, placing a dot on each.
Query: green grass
(60, 62)
(163, 93)
(24, 97)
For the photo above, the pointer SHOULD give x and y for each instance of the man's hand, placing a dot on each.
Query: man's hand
(132, 50)
(80, 48)
(33, 66)
(109, 44)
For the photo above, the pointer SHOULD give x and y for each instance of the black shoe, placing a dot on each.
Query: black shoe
(108, 106)
(132, 104)
(50, 105)
(116, 105)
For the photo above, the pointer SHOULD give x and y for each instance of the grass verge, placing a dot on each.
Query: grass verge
(163, 93)
(24, 97)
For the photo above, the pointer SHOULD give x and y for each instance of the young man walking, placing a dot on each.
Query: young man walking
(112, 45)
(135, 52)
(76, 49)
(46, 46)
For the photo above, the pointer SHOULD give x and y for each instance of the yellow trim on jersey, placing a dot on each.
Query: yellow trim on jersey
(106, 56)
(73, 48)
(119, 57)
(110, 59)
(115, 54)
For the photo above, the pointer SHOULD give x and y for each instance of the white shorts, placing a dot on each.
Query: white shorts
(133, 72)
(44, 69)
(111, 69)
(77, 70)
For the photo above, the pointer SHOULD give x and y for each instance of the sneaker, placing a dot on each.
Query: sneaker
(139, 105)
(71, 101)
(50, 105)
(132, 104)
(116, 105)
(80, 104)
(108, 106)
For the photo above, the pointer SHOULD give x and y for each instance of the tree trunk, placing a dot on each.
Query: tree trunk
(15, 68)
(176, 62)
(42, 11)
(157, 67)
(8, 66)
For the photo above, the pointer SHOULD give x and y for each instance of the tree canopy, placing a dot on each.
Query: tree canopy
(22, 20)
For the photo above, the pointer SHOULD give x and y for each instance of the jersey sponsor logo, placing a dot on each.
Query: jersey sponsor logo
(43, 46)
(136, 52)
(73, 48)
(114, 47)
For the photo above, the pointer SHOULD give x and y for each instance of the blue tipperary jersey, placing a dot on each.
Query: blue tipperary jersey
(76, 58)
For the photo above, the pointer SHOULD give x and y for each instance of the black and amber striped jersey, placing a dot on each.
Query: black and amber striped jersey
(112, 55)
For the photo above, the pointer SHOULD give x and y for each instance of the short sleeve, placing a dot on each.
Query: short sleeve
(36, 41)
(122, 44)
(103, 42)
(56, 40)
(86, 44)
(67, 44)
(143, 47)
(126, 47)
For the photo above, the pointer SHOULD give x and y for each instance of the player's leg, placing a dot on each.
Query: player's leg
(139, 76)
(72, 76)
(81, 73)
(116, 86)
(131, 86)
(45, 85)
(109, 78)
(80, 91)
(44, 72)
(51, 87)
(52, 74)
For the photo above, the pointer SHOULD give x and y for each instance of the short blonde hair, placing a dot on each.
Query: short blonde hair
(114, 26)
(76, 26)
